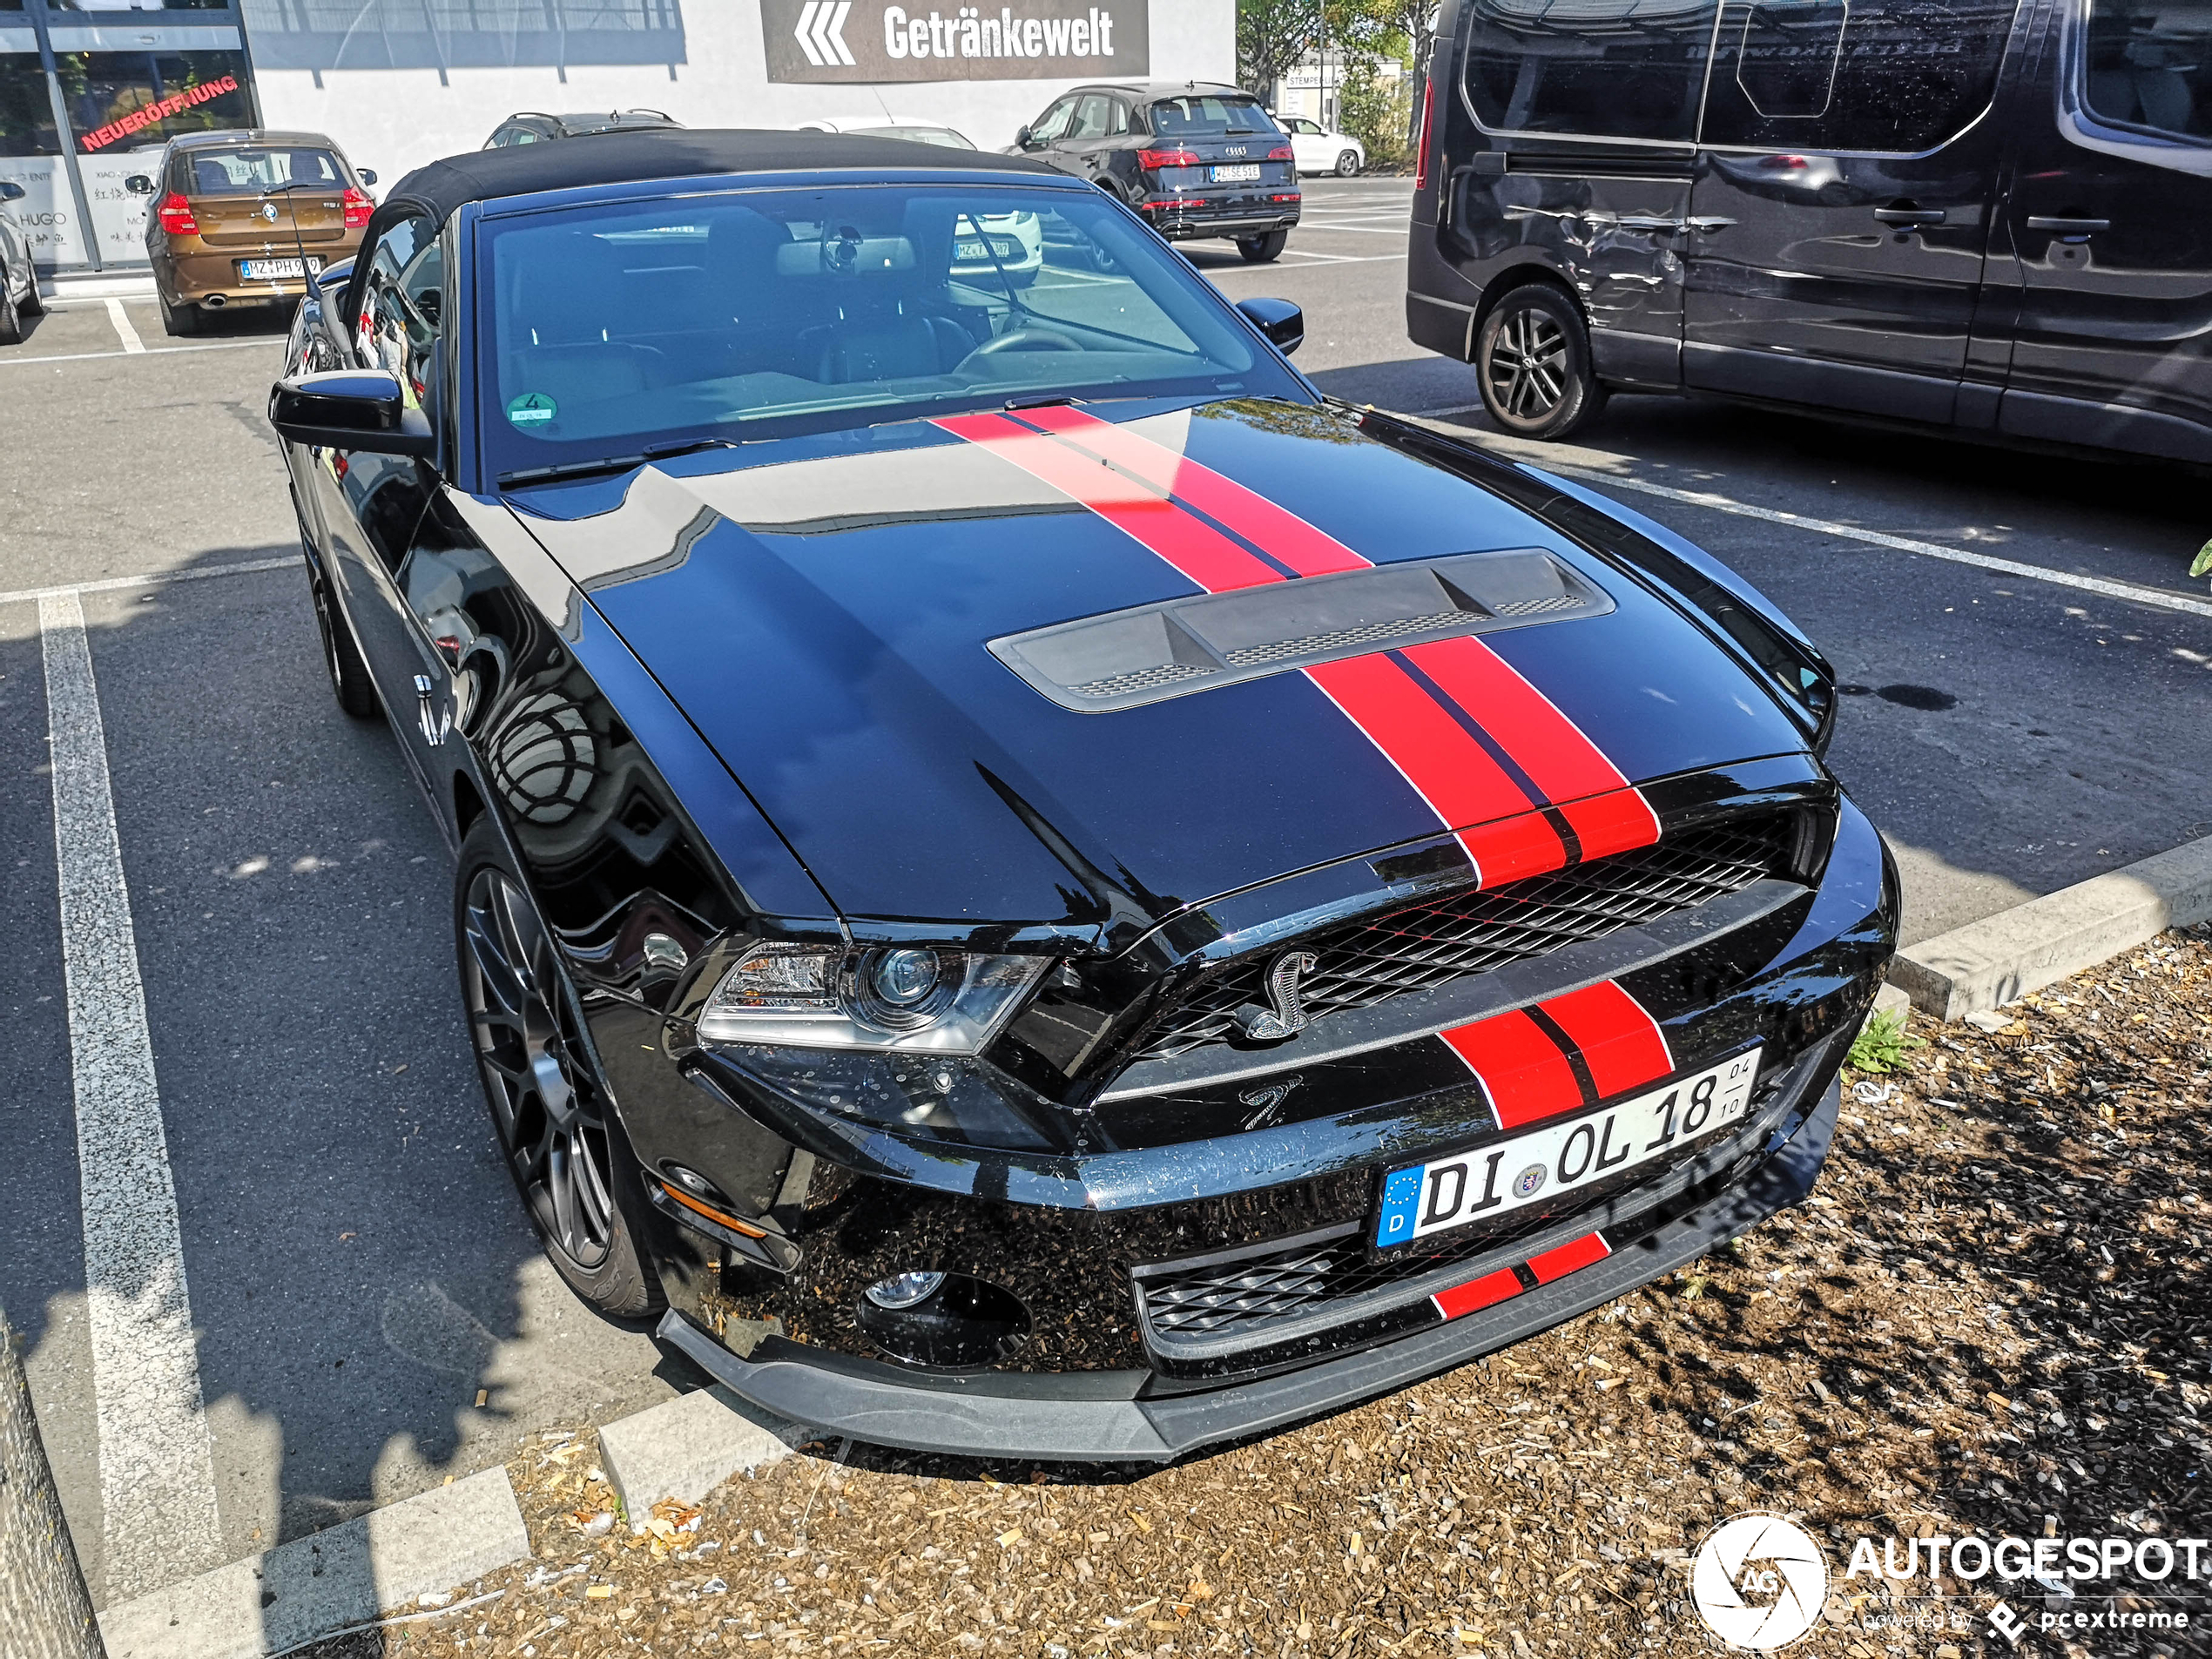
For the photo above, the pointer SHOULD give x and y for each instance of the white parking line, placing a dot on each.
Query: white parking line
(124, 331)
(1340, 224)
(142, 350)
(2126, 590)
(116, 584)
(157, 1472)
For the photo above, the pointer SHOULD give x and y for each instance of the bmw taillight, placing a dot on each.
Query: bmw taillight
(175, 215)
(1153, 160)
(358, 207)
(1428, 111)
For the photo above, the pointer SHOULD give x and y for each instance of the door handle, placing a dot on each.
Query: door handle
(1707, 224)
(2067, 227)
(1911, 216)
(434, 726)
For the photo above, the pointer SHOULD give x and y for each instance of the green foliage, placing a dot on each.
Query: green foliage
(1376, 110)
(2201, 564)
(1273, 36)
(1882, 1044)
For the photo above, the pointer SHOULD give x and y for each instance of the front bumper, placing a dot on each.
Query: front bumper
(1118, 1416)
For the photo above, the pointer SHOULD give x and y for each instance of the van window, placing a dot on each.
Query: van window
(1883, 75)
(2148, 65)
(1618, 68)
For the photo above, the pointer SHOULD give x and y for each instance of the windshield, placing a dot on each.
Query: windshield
(1207, 117)
(252, 173)
(763, 313)
(944, 137)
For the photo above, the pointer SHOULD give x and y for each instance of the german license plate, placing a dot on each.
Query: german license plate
(275, 270)
(1245, 173)
(976, 252)
(1494, 1181)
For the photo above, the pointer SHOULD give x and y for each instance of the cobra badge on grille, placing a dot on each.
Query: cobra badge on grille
(1285, 1017)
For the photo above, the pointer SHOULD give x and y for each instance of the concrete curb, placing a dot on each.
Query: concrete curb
(683, 1448)
(343, 1575)
(1988, 963)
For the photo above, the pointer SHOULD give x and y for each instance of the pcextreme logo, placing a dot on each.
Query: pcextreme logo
(1758, 1582)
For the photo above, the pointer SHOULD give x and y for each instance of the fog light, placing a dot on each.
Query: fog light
(904, 1291)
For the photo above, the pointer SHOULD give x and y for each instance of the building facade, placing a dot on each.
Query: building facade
(88, 88)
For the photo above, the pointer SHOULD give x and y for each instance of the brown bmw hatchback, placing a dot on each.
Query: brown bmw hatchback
(241, 218)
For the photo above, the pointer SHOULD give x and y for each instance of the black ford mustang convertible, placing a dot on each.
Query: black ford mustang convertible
(1027, 882)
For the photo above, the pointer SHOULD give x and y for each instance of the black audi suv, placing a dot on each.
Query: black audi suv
(1027, 883)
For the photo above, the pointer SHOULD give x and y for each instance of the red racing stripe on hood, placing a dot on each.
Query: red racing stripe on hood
(1620, 1041)
(1522, 786)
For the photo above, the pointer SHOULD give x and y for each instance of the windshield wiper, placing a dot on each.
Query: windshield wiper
(613, 464)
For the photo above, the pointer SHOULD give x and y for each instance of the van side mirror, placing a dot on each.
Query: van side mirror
(1282, 322)
(350, 408)
(139, 185)
(367, 174)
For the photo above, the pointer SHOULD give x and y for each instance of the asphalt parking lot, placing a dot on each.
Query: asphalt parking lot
(371, 1315)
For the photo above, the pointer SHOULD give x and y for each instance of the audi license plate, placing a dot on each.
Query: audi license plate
(1244, 173)
(275, 270)
(1496, 1180)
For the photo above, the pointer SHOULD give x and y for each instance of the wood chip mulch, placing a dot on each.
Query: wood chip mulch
(1991, 1316)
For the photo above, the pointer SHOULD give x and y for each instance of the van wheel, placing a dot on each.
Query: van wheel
(1263, 250)
(1347, 164)
(1533, 359)
(178, 320)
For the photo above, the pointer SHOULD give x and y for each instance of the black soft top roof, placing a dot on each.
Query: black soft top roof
(641, 154)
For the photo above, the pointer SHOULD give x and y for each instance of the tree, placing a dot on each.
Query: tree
(1274, 36)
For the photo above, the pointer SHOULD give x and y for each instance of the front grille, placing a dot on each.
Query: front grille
(1425, 945)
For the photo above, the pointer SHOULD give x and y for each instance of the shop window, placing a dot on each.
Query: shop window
(131, 100)
(2148, 65)
(1617, 69)
(1899, 76)
(45, 214)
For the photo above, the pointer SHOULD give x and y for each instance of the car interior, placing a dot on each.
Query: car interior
(648, 322)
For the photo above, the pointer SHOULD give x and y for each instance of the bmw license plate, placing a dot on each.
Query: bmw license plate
(1494, 1181)
(1244, 173)
(275, 270)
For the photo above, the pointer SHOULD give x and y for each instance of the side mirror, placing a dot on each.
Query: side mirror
(10, 191)
(1282, 322)
(367, 174)
(350, 408)
(139, 185)
(1021, 138)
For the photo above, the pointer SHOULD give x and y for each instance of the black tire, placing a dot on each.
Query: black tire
(1348, 163)
(30, 304)
(1532, 359)
(11, 319)
(1263, 250)
(341, 655)
(550, 1103)
(178, 321)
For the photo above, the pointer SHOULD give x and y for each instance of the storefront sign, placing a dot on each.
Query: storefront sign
(870, 40)
(156, 113)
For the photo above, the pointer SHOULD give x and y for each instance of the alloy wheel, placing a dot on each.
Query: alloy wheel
(1528, 367)
(531, 1048)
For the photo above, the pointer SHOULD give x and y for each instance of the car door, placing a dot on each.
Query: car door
(1307, 142)
(1099, 119)
(1835, 243)
(1044, 136)
(373, 504)
(1564, 142)
(2108, 222)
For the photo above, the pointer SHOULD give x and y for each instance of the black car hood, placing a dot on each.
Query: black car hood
(823, 611)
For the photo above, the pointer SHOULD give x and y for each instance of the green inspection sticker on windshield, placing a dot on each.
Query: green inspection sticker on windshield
(532, 408)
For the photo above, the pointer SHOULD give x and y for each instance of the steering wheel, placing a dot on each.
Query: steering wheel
(1025, 340)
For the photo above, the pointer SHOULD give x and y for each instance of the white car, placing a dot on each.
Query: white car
(1012, 243)
(1316, 149)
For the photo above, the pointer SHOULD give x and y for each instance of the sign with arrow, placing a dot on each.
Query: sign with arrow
(868, 41)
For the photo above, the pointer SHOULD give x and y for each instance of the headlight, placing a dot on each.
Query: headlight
(904, 997)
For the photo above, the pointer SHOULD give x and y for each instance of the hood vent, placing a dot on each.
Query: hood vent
(1131, 657)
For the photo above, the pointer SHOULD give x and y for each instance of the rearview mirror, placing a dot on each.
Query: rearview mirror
(368, 175)
(139, 185)
(350, 408)
(1282, 322)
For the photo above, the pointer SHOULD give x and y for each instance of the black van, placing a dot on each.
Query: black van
(1990, 215)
